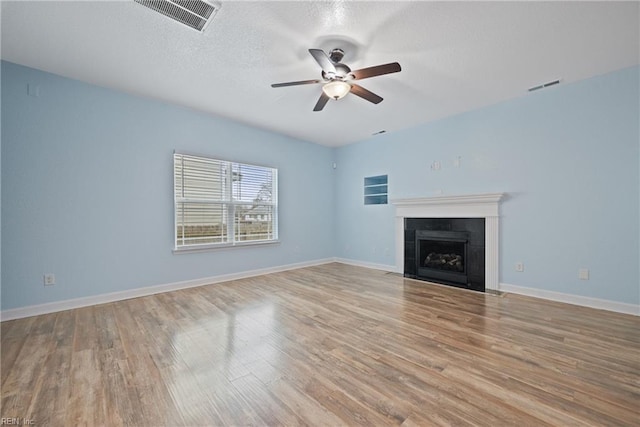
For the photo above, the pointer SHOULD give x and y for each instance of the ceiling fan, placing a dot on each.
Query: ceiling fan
(338, 78)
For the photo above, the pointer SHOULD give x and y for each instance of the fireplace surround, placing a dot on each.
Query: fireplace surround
(484, 206)
(450, 251)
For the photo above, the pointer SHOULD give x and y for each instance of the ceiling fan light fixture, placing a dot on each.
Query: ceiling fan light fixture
(336, 89)
(337, 77)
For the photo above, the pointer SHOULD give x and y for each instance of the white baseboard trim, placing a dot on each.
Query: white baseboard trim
(357, 263)
(52, 307)
(619, 307)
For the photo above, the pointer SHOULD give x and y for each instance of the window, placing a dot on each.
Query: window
(220, 203)
(375, 190)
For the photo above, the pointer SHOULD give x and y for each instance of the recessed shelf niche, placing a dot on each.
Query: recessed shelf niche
(375, 190)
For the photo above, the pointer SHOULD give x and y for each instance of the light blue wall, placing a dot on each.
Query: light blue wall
(86, 178)
(0, 182)
(568, 158)
(87, 190)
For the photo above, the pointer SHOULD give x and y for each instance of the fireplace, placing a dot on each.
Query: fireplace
(481, 259)
(442, 253)
(449, 251)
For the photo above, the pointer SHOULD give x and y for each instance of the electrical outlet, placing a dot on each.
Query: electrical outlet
(519, 267)
(33, 90)
(49, 279)
(583, 274)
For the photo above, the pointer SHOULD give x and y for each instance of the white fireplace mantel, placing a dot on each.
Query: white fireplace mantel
(485, 206)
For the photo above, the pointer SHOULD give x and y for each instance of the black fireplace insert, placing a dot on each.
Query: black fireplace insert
(446, 250)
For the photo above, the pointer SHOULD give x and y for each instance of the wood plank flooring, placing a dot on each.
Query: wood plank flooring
(328, 345)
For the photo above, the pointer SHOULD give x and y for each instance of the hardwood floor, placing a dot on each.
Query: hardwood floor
(327, 345)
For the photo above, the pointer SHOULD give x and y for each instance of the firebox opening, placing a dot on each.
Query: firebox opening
(439, 255)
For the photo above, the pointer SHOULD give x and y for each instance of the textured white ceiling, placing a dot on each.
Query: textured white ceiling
(455, 56)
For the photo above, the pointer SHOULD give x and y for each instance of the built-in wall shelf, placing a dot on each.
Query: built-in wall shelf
(375, 190)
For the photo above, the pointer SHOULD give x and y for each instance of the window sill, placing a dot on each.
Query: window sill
(207, 248)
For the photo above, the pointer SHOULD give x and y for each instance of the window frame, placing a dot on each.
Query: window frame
(229, 207)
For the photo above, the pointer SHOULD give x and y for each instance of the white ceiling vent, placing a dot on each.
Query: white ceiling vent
(193, 13)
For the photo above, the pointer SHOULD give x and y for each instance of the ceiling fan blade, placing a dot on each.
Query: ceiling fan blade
(323, 60)
(365, 94)
(378, 70)
(301, 82)
(321, 102)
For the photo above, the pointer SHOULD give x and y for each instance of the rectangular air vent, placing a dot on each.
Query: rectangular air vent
(542, 86)
(193, 13)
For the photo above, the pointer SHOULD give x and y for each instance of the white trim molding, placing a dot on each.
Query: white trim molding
(485, 206)
(365, 264)
(618, 307)
(52, 307)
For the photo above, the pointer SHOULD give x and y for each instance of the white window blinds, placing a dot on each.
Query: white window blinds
(223, 203)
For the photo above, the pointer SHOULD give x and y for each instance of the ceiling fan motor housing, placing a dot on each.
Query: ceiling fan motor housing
(342, 72)
(336, 55)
